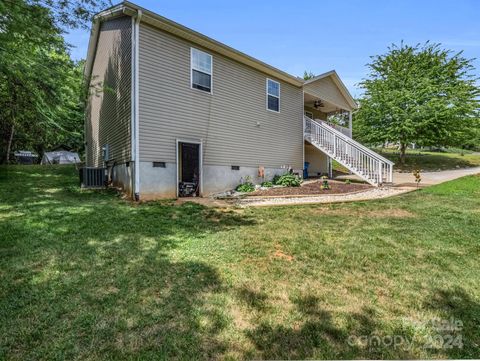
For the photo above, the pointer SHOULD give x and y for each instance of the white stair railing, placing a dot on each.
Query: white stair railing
(362, 161)
(343, 130)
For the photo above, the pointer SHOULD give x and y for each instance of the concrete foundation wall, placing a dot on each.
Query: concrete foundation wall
(157, 183)
(317, 159)
(220, 178)
(122, 176)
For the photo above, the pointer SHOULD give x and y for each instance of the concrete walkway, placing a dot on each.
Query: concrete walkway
(366, 195)
(404, 182)
(428, 178)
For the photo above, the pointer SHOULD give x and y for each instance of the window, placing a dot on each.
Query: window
(201, 76)
(273, 95)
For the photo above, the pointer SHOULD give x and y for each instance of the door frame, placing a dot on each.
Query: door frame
(200, 161)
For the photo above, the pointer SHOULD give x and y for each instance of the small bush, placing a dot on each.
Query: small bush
(325, 185)
(288, 180)
(245, 187)
(275, 178)
(347, 181)
(267, 184)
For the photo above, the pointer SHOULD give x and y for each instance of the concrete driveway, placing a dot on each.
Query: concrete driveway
(430, 178)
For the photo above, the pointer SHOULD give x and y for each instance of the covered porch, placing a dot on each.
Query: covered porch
(336, 116)
(326, 98)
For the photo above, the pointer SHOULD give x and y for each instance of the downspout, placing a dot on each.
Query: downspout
(134, 112)
(303, 130)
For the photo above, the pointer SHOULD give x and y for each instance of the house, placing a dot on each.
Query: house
(172, 112)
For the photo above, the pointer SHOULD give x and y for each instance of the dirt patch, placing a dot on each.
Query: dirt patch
(313, 188)
(279, 254)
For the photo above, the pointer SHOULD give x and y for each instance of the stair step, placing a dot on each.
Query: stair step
(338, 151)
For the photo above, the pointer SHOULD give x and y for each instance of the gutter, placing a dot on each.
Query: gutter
(162, 23)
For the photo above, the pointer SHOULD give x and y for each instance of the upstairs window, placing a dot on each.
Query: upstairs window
(201, 67)
(273, 95)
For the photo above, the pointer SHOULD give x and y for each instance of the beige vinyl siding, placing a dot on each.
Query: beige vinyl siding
(108, 116)
(317, 114)
(326, 89)
(225, 120)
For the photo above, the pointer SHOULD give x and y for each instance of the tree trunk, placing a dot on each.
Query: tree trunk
(9, 144)
(403, 148)
(13, 113)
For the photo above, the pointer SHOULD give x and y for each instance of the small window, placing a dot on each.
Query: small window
(201, 67)
(273, 95)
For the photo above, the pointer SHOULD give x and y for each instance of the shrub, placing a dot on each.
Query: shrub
(347, 181)
(288, 180)
(275, 178)
(267, 184)
(246, 185)
(325, 184)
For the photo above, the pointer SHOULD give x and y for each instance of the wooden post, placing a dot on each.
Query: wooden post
(350, 123)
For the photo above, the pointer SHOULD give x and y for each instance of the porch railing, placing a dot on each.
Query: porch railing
(362, 161)
(344, 130)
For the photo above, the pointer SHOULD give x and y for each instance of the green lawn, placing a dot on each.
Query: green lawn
(432, 161)
(425, 161)
(87, 275)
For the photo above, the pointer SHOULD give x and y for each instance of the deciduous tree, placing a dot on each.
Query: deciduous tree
(40, 86)
(420, 94)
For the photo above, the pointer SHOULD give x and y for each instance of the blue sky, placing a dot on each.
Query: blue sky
(324, 34)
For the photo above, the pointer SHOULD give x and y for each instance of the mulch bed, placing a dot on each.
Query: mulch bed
(313, 188)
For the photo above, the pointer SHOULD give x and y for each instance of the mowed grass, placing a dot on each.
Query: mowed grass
(432, 161)
(87, 275)
(425, 161)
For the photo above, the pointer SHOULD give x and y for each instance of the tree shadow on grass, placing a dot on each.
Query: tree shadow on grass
(460, 312)
(317, 335)
(91, 276)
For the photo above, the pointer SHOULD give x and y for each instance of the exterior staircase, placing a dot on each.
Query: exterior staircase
(360, 160)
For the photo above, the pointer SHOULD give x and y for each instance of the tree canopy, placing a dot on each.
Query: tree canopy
(41, 87)
(307, 75)
(421, 94)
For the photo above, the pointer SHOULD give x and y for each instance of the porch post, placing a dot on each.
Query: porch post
(350, 122)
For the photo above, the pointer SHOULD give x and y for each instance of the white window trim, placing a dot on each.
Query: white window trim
(191, 71)
(267, 94)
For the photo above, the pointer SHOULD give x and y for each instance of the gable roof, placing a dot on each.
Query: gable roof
(338, 82)
(160, 22)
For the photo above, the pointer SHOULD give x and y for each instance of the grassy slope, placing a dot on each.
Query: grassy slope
(425, 161)
(87, 275)
(433, 161)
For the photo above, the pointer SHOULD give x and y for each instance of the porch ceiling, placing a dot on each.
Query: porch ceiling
(309, 100)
